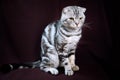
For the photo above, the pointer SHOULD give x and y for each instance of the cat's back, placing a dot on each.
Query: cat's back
(51, 28)
(50, 31)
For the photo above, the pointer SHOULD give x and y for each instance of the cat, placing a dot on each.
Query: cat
(59, 41)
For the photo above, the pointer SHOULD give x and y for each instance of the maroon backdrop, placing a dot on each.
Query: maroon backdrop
(21, 26)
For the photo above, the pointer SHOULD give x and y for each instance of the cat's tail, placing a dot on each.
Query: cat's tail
(9, 67)
(34, 64)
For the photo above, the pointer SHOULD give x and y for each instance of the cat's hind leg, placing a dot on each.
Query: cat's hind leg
(48, 66)
(50, 62)
(49, 56)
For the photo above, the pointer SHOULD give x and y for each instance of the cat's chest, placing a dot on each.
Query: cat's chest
(71, 39)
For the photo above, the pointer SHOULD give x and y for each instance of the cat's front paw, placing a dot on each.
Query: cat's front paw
(69, 72)
(53, 71)
(75, 68)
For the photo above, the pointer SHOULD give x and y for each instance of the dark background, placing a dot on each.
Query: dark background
(23, 21)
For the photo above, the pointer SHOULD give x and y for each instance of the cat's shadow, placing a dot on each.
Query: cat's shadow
(61, 69)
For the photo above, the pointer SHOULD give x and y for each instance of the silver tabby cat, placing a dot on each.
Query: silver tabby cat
(59, 41)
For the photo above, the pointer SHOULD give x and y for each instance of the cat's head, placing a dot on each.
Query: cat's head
(73, 17)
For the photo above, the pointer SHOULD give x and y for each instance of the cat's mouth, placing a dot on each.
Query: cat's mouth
(71, 28)
(75, 26)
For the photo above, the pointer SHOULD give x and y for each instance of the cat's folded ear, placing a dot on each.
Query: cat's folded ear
(83, 9)
(66, 9)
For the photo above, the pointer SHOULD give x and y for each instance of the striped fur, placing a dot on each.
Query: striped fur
(59, 41)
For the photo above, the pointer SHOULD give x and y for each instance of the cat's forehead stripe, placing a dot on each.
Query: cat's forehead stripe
(76, 11)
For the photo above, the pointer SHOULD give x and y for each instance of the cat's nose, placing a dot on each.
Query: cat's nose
(77, 24)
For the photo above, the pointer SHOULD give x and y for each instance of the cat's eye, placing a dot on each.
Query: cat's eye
(81, 18)
(71, 18)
